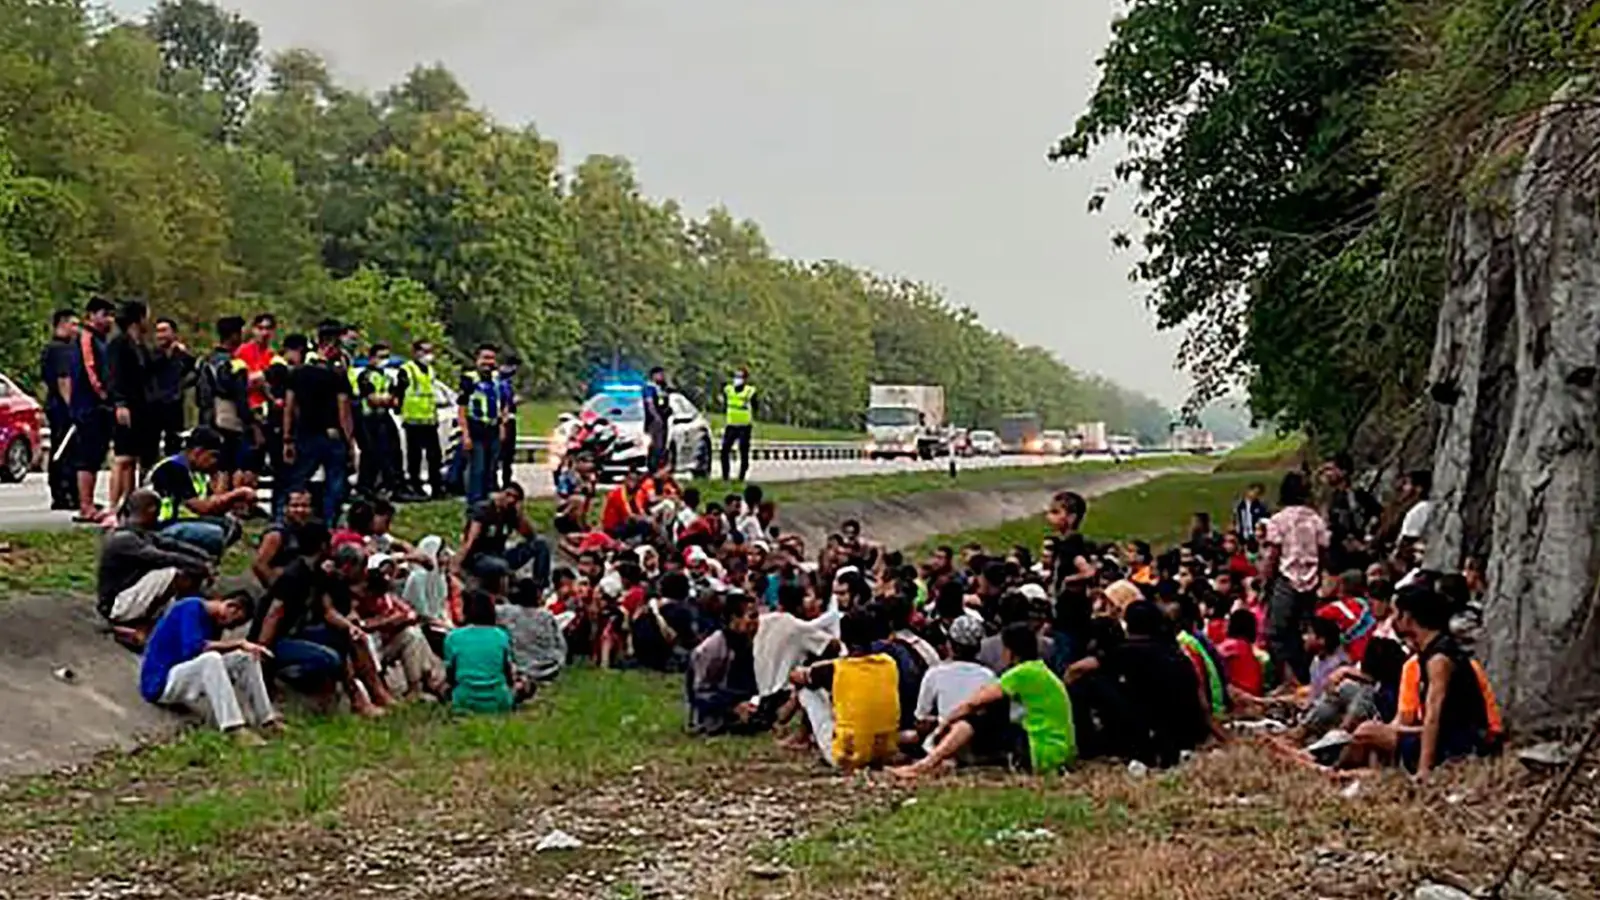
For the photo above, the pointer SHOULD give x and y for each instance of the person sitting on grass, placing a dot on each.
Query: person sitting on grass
(280, 542)
(394, 627)
(861, 728)
(479, 666)
(953, 682)
(721, 683)
(490, 525)
(188, 664)
(1456, 722)
(189, 511)
(1245, 671)
(141, 571)
(1046, 740)
(538, 645)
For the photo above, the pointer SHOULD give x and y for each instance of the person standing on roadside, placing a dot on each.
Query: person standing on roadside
(419, 413)
(259, 357)
(481, 422)
(89, 397)
(657, 413)
(379, 394)
(508, 411)
(55, 372)
(738, 422)
(134, 437)
(318, 424)
(1298, 542)
(171, 372)
(223, 400)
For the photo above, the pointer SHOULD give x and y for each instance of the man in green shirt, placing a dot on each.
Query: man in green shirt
(1045, 741)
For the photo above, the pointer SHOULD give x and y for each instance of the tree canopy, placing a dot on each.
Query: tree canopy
(171, 160)
(1297, 163)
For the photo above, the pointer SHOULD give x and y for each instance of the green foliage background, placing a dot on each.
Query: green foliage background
(170, 160)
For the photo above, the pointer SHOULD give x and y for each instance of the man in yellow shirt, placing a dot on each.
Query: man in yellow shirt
(866, 698)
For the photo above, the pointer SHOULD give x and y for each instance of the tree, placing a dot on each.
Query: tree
(211, 51)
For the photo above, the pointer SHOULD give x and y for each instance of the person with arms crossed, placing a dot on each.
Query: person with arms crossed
(739, 397)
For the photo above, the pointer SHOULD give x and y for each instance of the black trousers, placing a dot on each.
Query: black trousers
(740, 435)
(508, 451)
(380, 455)
(422, 439)
(61, 472)
(168, 418)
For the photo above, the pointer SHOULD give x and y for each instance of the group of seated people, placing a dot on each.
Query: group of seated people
(852, 653)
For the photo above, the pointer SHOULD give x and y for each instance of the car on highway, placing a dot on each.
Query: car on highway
(1053, 443)
(688, 432)
(985, 443)
(21, 432)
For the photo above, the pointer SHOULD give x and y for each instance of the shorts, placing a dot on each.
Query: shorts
(91, 438)
(1452, 745)
(140, 441)
(998, 741)
(234, 446)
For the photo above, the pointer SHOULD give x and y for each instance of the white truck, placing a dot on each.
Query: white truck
(1090, 437)
(906, 420)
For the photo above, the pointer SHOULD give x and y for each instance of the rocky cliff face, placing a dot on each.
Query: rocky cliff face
(1517, 454)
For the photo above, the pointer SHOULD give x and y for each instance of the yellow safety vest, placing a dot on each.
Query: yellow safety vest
(380, 385)
(419, 407)
(171, 509)
(738, 400)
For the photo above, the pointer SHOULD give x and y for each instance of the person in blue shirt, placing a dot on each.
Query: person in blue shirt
(508, 407)
(187, 664)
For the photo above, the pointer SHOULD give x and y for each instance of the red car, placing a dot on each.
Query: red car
(21, 426)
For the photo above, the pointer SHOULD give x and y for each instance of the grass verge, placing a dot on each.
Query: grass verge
(1157, 511)
(1266, 451)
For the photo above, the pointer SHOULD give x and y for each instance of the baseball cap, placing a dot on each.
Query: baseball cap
(1033, 592)
(966, 631)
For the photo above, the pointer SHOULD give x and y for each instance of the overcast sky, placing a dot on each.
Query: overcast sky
(908, 137)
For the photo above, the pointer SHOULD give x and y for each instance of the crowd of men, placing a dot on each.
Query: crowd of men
(1317, 616)
(117, 385)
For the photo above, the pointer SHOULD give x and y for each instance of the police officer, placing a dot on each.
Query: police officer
(657, 415)
(419, 415)
(481, 420)
(508, 410)
(379, 396)
(738, 422)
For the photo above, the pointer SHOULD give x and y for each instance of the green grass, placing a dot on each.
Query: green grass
(202, 790)
(943, 836)
(1157, 511)
(538, 419)
(1269, 450)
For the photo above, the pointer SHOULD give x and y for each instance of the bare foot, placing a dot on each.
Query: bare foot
(368, 710)
(907, 773)
(244, 737)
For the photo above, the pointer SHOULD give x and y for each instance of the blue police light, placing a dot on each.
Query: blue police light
(621, 388)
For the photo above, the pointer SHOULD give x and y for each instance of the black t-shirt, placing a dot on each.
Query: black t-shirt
(1073, 610)
(1161, 695)
(317, 389)
(300, 589)
(167, 372)
(650, 646)
(55, 363)
(173, 480)
(498, 527)
(126, 359)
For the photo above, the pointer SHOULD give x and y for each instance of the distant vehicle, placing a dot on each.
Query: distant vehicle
(1020, 433)
(984, 443)
(688, 432)
(1193, 440)
(1123, 445)
(21, 432)
(1091, 437)
(1053, 443)
(906, 420)
(960, 442)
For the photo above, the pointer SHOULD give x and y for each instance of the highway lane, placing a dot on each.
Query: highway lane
(26, 506)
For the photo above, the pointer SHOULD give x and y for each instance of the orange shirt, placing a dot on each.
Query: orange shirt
(256, 359)
(1408, 710)
(617, 509)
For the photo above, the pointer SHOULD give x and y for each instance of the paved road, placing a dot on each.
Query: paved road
(25, 507)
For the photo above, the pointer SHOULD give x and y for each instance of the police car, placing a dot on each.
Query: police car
(688, 432)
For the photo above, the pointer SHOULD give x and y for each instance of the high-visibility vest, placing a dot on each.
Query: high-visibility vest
(483, 404)
(380, 385)
(419, 407)
(171, 509)
(738, 404)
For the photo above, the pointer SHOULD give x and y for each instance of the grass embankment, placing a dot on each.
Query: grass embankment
(63, 561)
(538, 419)
(1266, 451)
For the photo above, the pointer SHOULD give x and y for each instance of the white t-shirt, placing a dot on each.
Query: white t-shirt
(751, 528)
(1416, 520)
(948, 685)
(782, 642)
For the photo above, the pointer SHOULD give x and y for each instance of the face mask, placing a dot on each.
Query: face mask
(738, 381)
(349, 344)
(486, 370)
(426, 359)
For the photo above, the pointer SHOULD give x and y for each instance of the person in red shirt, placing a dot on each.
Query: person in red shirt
(621, 517)
(1237, 560)
(258, 357)
(1238, 652)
